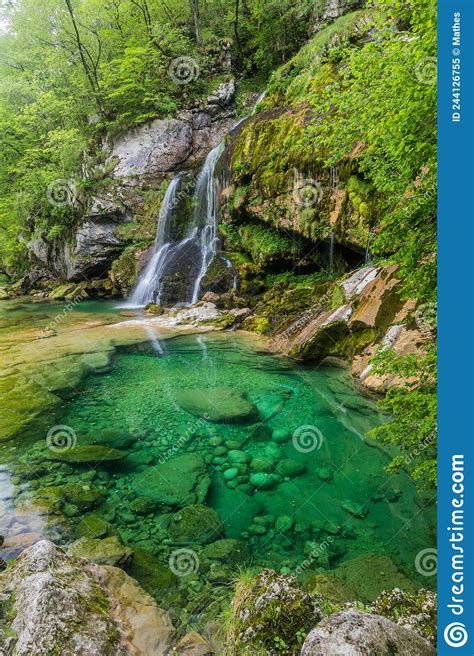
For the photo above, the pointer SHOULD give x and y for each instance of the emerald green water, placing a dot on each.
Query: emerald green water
(315, 414)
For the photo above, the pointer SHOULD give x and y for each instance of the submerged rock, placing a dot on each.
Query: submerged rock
(230, 551)
(197, 524)
(59, 604)
(108, 551)
(192, 644)
(89, 453)
(289, 468)
(177, 482)
(371, 574)
(93, 526)
(352, 632)
(217, 404)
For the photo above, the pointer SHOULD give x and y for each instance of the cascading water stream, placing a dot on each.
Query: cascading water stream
(150, 279)
(206, 216)
(201, 236)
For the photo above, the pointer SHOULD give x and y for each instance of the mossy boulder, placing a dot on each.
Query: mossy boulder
(369, 575)
(112, 438)
(330, 587)
(177, 482)
(88, 454)
(217, 404)
(197, 524)
(94, 526)
(229, 551)
(289, 468)
(270, 615)
(416, 611)
(154, 308)
(108, 551)
(156, 578)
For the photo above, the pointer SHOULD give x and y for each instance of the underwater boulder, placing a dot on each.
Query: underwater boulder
(87, 454)
(108, 551)
(217, 404)
(369, 575)
(289, 468)
(197, 524)
(229, 550)
(177, 482)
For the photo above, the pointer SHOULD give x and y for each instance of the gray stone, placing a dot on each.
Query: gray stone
(353, 633)
(65, 605)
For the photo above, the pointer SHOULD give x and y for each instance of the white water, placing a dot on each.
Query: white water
(206, 216)
(150, 278)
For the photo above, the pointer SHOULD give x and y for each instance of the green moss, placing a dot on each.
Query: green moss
(265, 244)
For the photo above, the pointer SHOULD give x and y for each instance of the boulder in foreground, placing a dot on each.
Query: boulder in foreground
(59, 604)
(353, 633)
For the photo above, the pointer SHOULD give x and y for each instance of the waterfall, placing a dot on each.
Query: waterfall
(198, 247)
(206, 216)
(150, 278)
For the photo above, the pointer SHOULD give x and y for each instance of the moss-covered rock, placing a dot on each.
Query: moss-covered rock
(107, 551)
(197, 524)
(88, 454)
(154, 308)
(416, 611)
(270, 615)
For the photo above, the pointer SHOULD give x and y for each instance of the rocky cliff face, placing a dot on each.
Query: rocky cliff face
(138, 164)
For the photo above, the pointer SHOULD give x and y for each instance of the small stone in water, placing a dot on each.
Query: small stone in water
(238, 456)
(284, 523)
(325, 474)
(231, 473)
(280, 436)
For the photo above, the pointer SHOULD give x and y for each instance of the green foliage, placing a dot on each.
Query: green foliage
(412, 408)
(74, 73)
